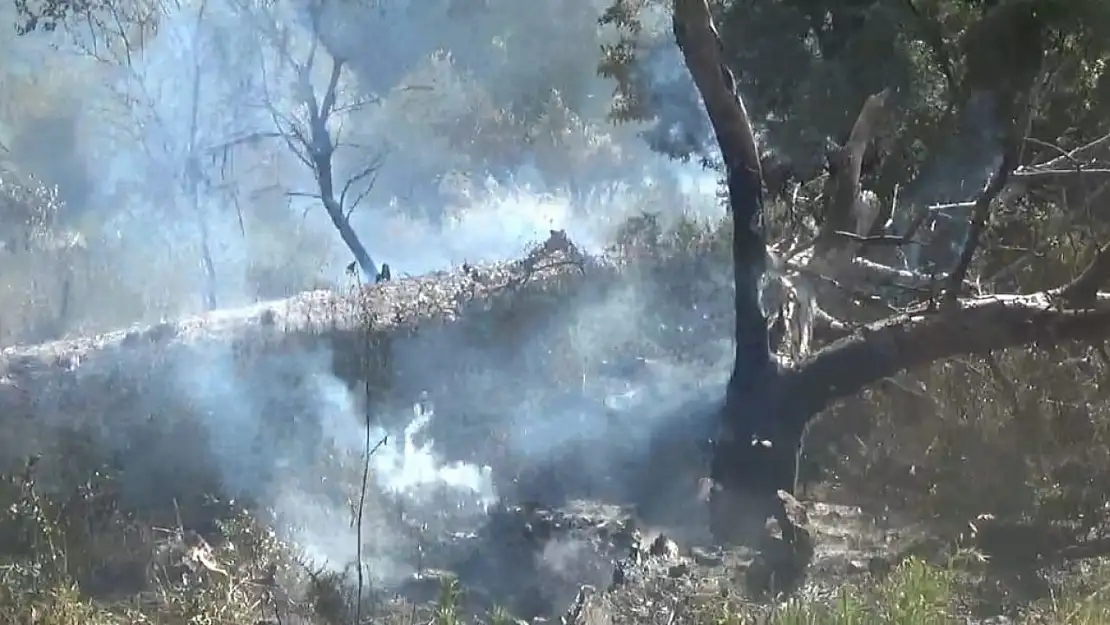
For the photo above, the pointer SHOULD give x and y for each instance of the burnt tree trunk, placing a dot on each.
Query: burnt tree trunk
(753, 452)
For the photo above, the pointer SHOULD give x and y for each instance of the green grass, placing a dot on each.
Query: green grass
(915, 593)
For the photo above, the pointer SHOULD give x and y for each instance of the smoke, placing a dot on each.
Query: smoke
(462, 139)
(287, 434)
(682, 125)
(958, 172)
(490, 129)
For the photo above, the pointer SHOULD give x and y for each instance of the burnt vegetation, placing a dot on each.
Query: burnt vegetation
(918, 256)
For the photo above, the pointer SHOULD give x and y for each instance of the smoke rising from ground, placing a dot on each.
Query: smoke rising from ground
(490, 129)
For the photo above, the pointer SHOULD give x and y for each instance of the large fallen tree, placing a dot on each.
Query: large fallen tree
(769, 404)
(107, 381)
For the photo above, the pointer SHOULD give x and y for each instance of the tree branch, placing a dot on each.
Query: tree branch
(1077, 155)
(843, 194)
(979, 215)
(982, 324)
(1083, 290)
(328, 105)
(370, 171)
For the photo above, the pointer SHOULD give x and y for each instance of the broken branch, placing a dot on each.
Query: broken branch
(843, 193)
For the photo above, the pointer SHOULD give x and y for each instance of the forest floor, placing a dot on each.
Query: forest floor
(65, 563)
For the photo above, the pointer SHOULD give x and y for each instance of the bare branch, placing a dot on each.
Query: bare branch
(1077, 155)
(355, 105)
(291, 134)
(979, 215)
(362, 194)
(1052, 146)
(251, 139)
(333, 84)
(878, 240)
(314, 196)
(1060, 173)
(871, 275)
(368, 171)
(981, 324)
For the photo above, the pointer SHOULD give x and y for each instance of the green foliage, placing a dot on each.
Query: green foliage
(805, 67)
(447, 607)
(916, 593)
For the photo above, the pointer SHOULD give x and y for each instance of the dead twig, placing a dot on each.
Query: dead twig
(979, 215)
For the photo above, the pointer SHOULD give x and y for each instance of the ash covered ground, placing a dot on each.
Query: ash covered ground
(591, 561)
(560, 539)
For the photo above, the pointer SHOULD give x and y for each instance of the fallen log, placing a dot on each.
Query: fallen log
(261, 355)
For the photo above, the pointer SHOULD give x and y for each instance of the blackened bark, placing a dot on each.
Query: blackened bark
(752, 453)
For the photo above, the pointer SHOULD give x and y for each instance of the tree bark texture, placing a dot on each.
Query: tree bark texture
(748, 467)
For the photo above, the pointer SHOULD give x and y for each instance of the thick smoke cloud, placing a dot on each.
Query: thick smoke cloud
(444, 176)
(491, 126)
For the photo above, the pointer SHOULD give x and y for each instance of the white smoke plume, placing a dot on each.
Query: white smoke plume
(441, 95)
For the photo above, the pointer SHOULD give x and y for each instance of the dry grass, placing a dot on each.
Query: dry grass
(114, 566)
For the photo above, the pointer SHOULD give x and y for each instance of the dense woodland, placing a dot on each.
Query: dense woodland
(912, 197)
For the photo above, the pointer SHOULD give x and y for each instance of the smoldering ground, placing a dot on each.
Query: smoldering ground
(567, 407)
(578, 409)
